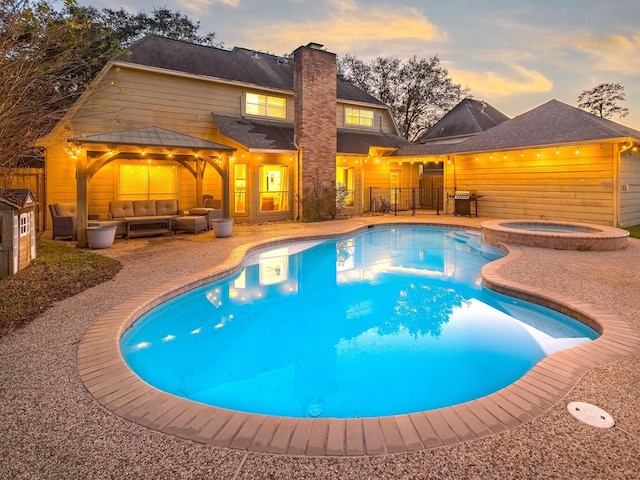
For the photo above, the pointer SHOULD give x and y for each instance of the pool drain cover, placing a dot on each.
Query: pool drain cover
(590, 414)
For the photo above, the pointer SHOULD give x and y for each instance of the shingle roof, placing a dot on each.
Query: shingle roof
(152, 137)
(469, 117)
(553, 123)
(16, 197)
(263, 135)
(237, 65)
(257, 134)
(549, 124)
(355, 142)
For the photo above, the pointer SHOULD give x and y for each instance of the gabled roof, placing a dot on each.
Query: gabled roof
(237, 65)
(553, 123)
(469, 117)
(16, 197)
(152, 137)
(264, 135)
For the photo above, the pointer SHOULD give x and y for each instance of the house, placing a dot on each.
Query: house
(17, 230)
(468, 118)
(260, 132)
(178, 120)
(554, 162)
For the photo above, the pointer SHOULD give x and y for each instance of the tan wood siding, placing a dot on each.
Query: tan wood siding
(629, 189)
(135, 99)
(542, 184)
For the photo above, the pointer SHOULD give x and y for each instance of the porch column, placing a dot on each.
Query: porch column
(225, 189)
(82, 189)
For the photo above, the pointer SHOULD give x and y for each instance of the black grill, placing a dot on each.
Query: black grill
(466, 204)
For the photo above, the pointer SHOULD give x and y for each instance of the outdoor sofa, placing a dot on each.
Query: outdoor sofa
(144, 217)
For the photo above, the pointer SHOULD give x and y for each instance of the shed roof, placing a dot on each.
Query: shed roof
(552, 123)
(152, 137)
(16, 197)
(264, 135)
(236, 65)
(357, 142)
(257, 134)
(469, 117)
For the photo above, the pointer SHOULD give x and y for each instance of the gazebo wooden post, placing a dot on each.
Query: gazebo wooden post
(82, 186)
(199, 177)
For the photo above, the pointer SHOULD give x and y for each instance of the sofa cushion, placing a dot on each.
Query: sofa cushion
(121, 208)
(66, 209)
(167, 207)
(144, 208)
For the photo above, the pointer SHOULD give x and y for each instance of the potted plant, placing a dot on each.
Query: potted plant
(101, 236)
(222, 227)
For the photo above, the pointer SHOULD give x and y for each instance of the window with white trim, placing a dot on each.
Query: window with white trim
(345, 175)
(24, 224)
(359, 117)
(274, 188)
(265, 105)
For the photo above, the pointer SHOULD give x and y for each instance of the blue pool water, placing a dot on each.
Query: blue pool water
(388, 321)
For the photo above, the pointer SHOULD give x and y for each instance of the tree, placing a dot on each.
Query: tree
(603, 100)
(419, 91)
(44, 57)
(129, 27)
(49, 58)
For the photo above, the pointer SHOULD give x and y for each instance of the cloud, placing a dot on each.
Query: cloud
(614, 53)
(346, 27)
(516, 81)
(201, 6)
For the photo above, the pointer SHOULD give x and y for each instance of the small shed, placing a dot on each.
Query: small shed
(17, 230)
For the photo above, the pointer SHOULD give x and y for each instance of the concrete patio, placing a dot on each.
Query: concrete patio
(54, 428)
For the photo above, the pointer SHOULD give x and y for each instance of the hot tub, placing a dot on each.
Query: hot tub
(554, 234)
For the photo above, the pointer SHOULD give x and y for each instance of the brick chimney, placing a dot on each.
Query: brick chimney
(314, 87)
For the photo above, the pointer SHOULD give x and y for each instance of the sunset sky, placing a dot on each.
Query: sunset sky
(513, 55)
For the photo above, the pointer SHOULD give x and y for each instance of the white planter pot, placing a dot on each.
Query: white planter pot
(222, 227)
(101, 237)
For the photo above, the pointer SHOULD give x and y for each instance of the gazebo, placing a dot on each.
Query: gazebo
(152, 143)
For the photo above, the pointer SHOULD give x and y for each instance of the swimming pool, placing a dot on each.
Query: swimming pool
(384, 322)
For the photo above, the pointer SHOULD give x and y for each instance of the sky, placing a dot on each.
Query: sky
(514, 55)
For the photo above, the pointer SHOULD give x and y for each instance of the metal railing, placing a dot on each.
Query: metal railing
(411, 201)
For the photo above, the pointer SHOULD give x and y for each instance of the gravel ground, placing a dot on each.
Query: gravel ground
(53, 428)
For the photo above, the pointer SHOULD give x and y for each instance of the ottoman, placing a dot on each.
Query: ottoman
(192, 223)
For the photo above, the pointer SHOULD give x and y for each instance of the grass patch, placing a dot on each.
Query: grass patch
(59, 271)
(634, 231)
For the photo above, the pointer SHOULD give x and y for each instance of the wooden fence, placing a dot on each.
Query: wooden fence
(33, 179)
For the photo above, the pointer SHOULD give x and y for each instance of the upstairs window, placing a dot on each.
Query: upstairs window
(358, 117)
(265, 105)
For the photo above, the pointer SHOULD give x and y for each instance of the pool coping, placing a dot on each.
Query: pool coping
(107, 377)
(598, 238)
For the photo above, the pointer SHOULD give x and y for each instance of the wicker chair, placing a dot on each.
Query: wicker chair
(63, 218)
